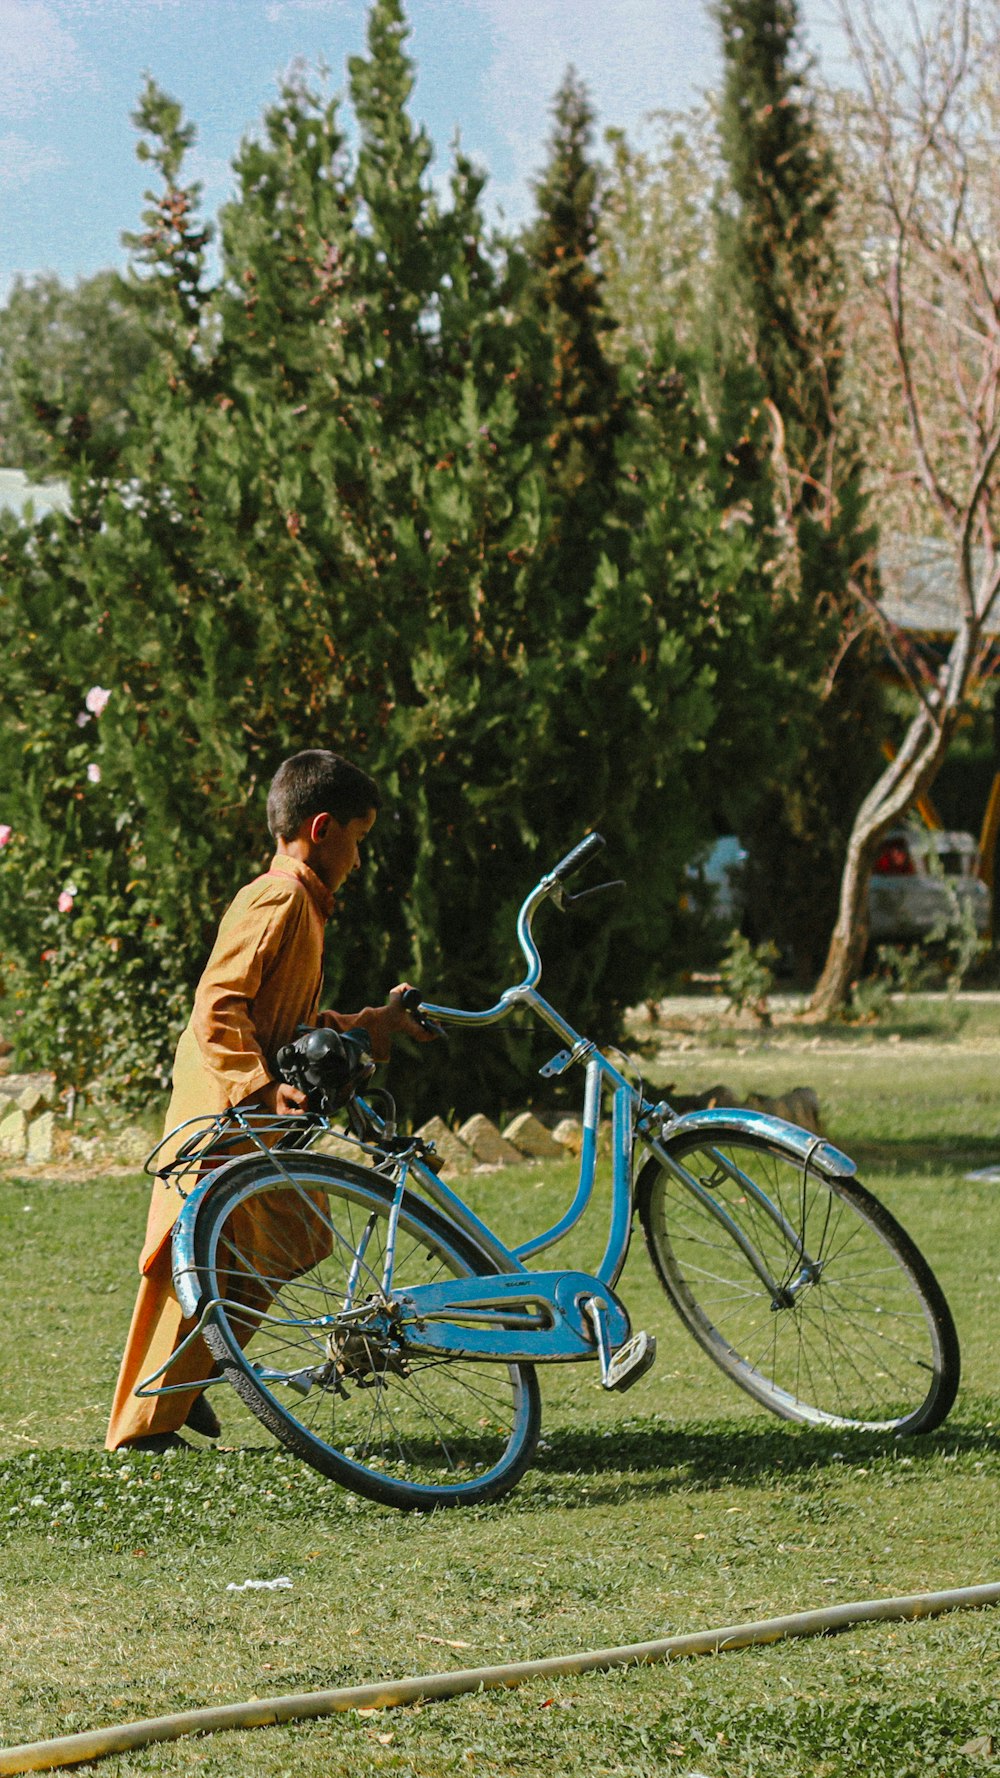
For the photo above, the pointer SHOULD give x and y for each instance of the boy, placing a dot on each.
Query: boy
(262, 980)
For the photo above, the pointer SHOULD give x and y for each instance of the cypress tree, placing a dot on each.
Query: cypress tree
(794, 462)
(581, 400)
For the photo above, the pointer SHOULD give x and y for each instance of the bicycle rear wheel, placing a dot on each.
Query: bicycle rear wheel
(857, 1333)
(305, 1334)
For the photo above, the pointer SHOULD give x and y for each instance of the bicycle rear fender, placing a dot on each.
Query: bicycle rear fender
(800, 1145)
(182, 1241)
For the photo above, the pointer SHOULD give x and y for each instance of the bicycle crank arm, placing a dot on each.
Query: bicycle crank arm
(522, 1317)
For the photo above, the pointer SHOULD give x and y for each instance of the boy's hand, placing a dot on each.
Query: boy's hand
(289, 1100)
(409, 1023)
(280, 1097)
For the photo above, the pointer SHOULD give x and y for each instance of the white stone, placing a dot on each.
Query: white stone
(132, 1145)
(32, 1100)
(41, 1138)
(449, 1148)
(569, 1134)
(532, 1138)
(14, 1136)
(333, 1143)
(486, 1142)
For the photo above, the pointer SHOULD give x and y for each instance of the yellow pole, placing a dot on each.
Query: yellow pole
(925, 807)
(988, 835)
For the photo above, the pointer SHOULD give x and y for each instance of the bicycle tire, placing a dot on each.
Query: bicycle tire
(409, 1430)
(869, 1344)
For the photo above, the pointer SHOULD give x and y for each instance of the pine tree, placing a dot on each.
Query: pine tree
(580, 401)
(794, 462)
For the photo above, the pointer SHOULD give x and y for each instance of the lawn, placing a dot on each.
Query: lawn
(673, 1508)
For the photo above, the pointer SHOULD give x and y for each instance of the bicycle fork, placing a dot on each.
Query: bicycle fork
(810, 1153)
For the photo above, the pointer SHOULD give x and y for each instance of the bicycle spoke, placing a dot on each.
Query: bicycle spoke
(854, 1333)
(349, 1395)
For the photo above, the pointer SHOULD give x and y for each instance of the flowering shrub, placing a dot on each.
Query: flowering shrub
(95, 996)
(94, 984)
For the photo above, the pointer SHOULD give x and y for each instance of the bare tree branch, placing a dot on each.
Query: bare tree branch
(930, 119)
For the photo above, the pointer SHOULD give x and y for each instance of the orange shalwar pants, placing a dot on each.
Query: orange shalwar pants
(274, 1238)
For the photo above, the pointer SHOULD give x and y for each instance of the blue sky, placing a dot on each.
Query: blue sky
(70, 72)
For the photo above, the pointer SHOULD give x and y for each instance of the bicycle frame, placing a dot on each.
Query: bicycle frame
(631, 1115)
(524, 1315)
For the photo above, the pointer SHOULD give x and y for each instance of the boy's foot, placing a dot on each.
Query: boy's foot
(202, 1418)
(157, 1441)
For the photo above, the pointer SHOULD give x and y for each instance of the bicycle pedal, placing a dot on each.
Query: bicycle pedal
(630, 1362)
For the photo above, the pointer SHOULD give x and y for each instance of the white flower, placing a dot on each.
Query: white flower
(93, 773)
(96, 699)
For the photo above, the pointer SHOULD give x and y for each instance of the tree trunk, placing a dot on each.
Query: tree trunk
(909, 775)
(930, 144)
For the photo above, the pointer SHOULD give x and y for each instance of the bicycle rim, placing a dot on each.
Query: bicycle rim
(867, 1343)
(304, 1335)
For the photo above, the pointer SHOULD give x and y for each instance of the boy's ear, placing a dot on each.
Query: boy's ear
(318, 827)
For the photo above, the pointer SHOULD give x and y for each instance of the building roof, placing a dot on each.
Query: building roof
(919, 586)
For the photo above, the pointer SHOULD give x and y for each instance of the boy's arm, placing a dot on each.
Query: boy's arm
(382, 1023)
(244, 950)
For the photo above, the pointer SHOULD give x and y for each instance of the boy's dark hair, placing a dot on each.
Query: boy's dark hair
(315, 783)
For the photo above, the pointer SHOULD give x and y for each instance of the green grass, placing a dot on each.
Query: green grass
(676, 1507)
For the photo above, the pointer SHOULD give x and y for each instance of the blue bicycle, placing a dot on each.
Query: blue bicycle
(388, 1337)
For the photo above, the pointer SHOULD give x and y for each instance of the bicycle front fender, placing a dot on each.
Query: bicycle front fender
(800, 1145)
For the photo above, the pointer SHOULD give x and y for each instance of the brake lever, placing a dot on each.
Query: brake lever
(598, 889)
(411, 1001)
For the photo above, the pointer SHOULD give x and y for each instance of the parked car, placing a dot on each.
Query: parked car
(921, 882)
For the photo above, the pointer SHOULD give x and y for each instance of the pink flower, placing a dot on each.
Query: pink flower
(83, 718)
(5, 833)
(94, 773)
(96, 699)
(66, 900)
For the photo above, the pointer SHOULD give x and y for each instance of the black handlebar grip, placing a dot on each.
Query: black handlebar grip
(580, 855)
(411, 1001)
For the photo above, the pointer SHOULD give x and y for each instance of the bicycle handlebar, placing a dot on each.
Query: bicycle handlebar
(580, 855)
(552, 881)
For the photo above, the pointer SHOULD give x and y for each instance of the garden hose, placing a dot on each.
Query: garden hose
(69, 1750)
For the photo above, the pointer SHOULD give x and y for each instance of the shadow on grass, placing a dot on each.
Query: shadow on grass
(943, 1150)
(638, 1460)
(92, 1499)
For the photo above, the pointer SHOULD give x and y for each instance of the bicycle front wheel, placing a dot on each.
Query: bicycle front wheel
(855, 1331)
(305, 1333)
